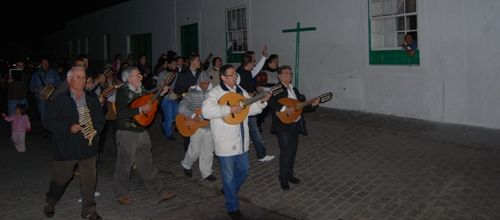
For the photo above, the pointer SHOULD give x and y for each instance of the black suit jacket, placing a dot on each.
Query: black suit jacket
(275, 106)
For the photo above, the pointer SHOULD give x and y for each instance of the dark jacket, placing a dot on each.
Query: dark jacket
(62, 113)
(275, 106)
(124, 114)
(185, 79)
(246, 80)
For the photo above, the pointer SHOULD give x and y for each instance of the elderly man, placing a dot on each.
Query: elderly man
(74, 142)
(134, 143)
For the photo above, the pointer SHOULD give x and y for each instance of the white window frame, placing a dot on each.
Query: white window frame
(389, 19)
(237, 29)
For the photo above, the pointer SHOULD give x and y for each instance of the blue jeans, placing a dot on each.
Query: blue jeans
(169, 108)
(260, 148)
(12, 103)
(234, 171)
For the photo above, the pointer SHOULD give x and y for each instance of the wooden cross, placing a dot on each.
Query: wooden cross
(297, 49)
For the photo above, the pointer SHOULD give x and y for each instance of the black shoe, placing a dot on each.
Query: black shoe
(236, 215)
(294, 180)
(285, 186)
(188, 172)
(92, 216)
(211, 178)
(48, 211)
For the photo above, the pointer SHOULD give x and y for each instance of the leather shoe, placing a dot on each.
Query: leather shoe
(49, 211)
(211, 178)
(294, 180)
(235, 215)
(285, 186)
(124, 200)
(167, 196)
(188, 172)
(92, 216)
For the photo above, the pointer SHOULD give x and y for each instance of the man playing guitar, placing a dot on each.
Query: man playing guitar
(288, 134)
(134, 141)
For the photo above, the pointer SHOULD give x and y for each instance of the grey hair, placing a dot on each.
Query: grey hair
(70, 73)
(127, 71)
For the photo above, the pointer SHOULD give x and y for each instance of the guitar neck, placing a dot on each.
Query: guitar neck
(305, 103)
(257, 97)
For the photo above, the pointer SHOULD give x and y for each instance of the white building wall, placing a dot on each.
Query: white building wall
(457, 80)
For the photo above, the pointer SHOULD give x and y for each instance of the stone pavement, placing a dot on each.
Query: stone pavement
(352, 165)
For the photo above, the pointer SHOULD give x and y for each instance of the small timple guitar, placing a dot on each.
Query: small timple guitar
(235, 99)
(145, 118)
(288, 102)
(188, 126)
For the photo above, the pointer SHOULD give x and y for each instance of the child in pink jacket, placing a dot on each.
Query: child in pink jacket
(20, 125)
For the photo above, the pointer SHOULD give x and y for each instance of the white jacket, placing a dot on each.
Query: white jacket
(227, 137)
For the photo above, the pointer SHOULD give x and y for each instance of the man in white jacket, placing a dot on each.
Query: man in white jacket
(231, 141)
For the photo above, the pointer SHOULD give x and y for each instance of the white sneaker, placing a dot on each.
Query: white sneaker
(266, 158)
(96, 194)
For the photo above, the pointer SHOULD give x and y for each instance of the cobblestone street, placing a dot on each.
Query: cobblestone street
(352, 166)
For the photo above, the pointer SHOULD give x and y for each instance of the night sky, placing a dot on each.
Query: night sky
(29, 21)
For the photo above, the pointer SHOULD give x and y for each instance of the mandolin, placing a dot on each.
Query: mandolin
(145, 118)
(188, 126)
(234, 99)
(288, 102)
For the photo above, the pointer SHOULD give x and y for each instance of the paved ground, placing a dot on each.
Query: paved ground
(352, 166)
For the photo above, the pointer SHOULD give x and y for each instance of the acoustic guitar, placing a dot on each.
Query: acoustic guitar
(111, 90)
(188, 126)
(235, 99)
(288, 102)
(145, 118)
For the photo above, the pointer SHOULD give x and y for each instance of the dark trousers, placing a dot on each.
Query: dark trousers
(109, 126)
(135, 148)
(62, 175)
(288, 140)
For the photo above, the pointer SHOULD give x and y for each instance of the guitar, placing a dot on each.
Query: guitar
(145, 118)
(234, 99)
(188, 126)
(288, 102)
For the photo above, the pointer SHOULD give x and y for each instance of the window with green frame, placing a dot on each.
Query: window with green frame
(389, 22)
(236, 34)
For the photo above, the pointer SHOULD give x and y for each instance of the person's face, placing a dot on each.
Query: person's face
(172, 65)
(285, 77)
(195, 63)
(218, 63)
(77, 80)
(274, 63)
(180, 62)
(45, 64)
(89, 84)
(204, 85)
(142, 60)
(20, 65)
(230, 77)
(409, 39)
(135, 78)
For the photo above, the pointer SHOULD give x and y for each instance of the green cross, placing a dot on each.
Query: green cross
(297, 49)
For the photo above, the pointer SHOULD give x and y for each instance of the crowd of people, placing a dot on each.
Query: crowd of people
(79, 109)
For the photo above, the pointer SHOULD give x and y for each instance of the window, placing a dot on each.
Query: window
(236, 34)
(390, 21)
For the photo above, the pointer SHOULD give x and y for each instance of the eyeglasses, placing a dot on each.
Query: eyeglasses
(134, 75)
(232, 75)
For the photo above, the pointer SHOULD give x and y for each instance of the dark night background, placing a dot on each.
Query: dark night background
(25, 23)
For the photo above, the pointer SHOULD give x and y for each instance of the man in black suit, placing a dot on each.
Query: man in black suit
(288, 134)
